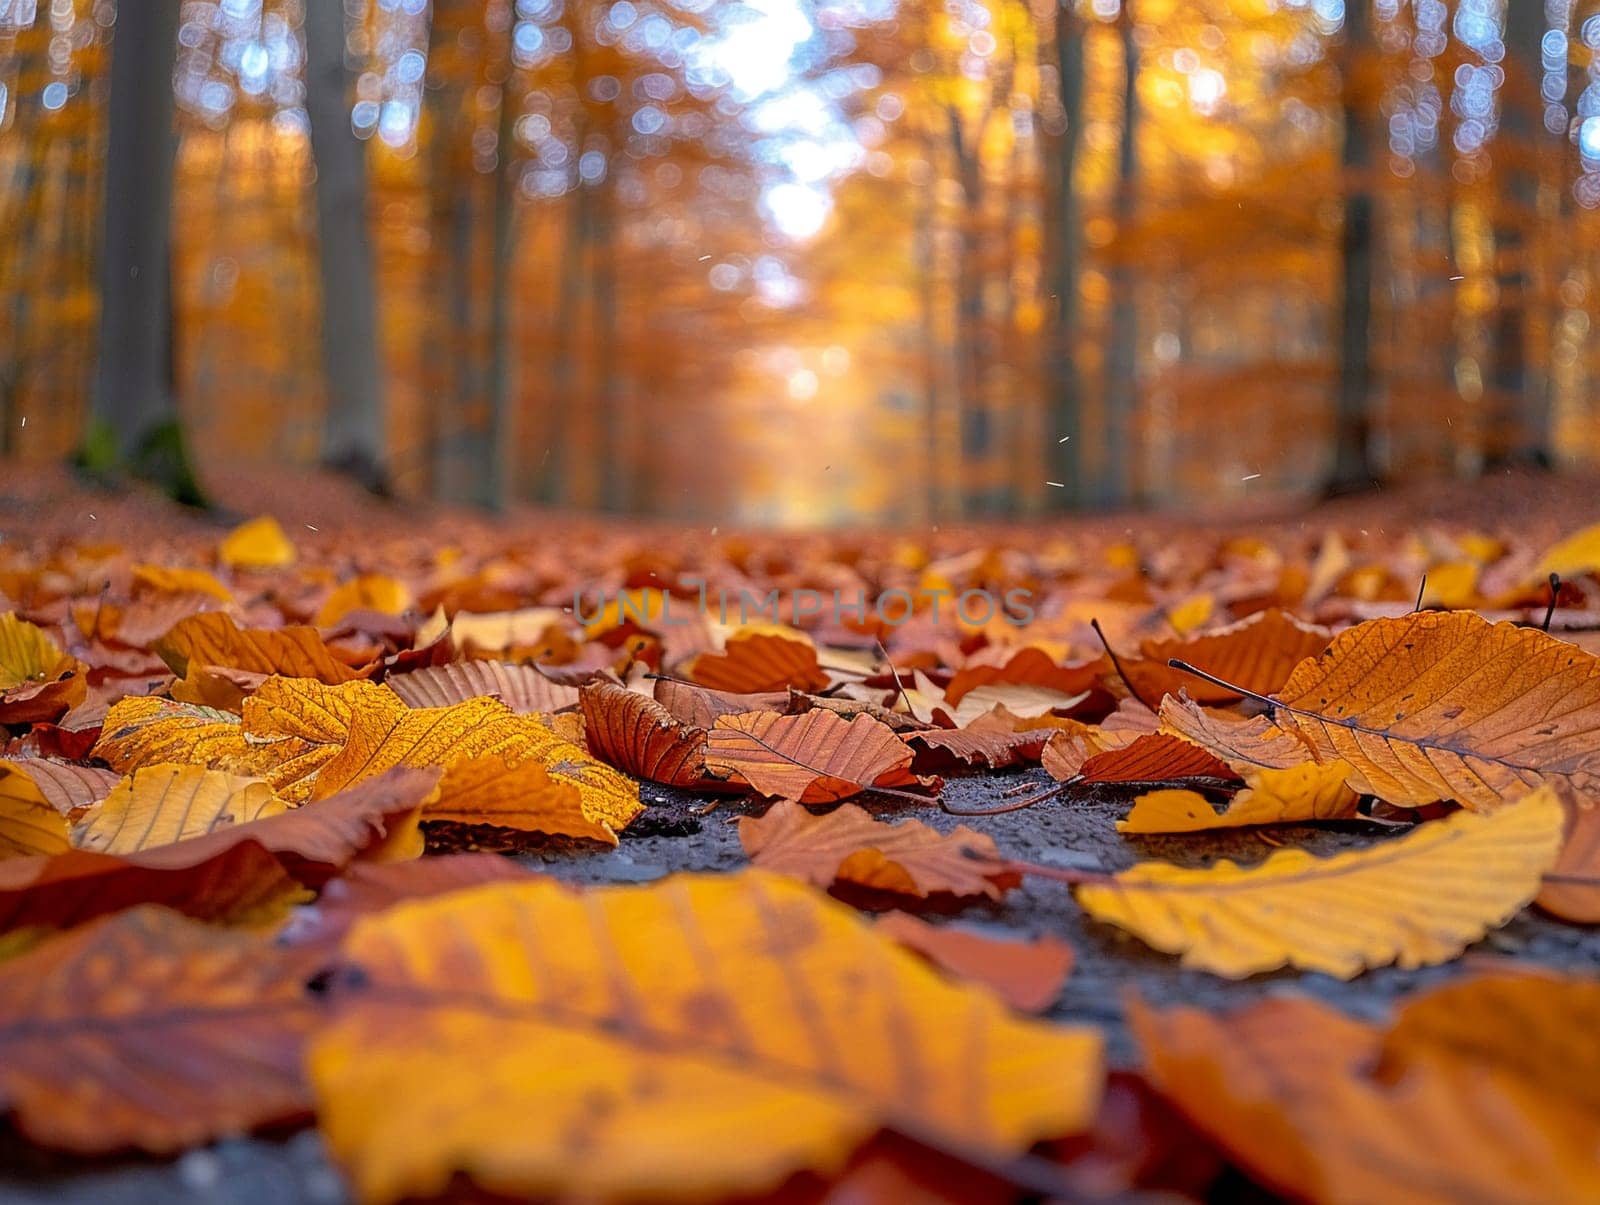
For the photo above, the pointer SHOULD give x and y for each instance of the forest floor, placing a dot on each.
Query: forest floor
(1076, 830)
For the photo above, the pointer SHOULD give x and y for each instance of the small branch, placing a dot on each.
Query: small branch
(1179, 663)
(1116, 664)
(1422, 588)
(1550, 611)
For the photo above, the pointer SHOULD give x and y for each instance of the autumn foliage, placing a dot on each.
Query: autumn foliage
(249, 781)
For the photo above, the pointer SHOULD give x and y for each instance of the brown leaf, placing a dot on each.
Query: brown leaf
(1576, 901)
(520, 687)
(150, 1030)
(699, 706)
(640, 736)
(815, 758)
(1025, 974)
(488, 790)
(1027, 667)
(366, 888)
(1147, 759)
(848, 847)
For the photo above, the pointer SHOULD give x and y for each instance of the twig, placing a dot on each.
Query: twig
(1550, 611)
(1116, 664)
(1422, 588)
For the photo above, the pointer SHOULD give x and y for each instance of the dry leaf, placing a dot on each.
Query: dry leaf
(639, 735)
(488, 790)
(367, 592)
(214, 639)
(1318, 1106)
(699, 706)
(1445, 705)
(1155, 758)
(687, 1013)
(148, 732)
(158, 805)
(37, 680)
(1572, 889)
(29, 822)
(1292, 796)
(257, 544)
(1256, 741)
(150, 1030)
(520, 687)
(1414, 900)
(1027, 667)
(816, 757)
(1258, 653)
(369, 887)
(1027, 975)
(847, 847)
(755, 660)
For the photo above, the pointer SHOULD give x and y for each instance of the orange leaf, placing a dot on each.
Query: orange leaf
(1445, 705)
(1256, 741)
(1027, 667)
(815, 757)
(699, 706)
(1157, 758)
(1025, 974)
(643, 1027)
(487, 790)
(754, 661)
(149, 1030)
(214, 639)
(1258, 653)
(1322, 1107)
(848, 847)
(1579, 859)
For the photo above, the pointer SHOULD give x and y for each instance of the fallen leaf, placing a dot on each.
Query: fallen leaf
(365, 888)
(520, 687)
(1027, 975)
(38, 681)
(1297, 1094)
(1292, 796)
(366, 592)
(1415, 900)
(1027, 667)
(848, 847)
(489, 790)
(688, 1011)
(162, 579)
(150, 1030)
(1159, 757)
(1577, 554)
(1256, 741)
(359, 730)
(158, 805)
(755, 660)
(1445, 705)
(257, 544)
(29, 823)
(816, 757)
(1572, 889)
(640, 736)
(213, 638)
(142, 732)
(1257, 653)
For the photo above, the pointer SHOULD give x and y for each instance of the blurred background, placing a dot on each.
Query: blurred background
(804, 261)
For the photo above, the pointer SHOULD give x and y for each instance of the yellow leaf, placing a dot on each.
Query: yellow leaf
(369, 592)
(149, 731)
(29, 824)
(489, 791)
(1415, 900)
(28, 655)
(597, 1045)
(1453, 584)
(356, 730)
(1446, 705)
(162, 804)
(1578, 554)
(258, 544)
(163, 580)
(1191, 613)
(1291, 796)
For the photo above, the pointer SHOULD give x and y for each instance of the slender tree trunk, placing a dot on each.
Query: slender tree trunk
(1065, 430)
(489, 449)
(1115, 486)
(616, 473)
(1353, 467)
(134, 415)
(353, 435)
(976, 423)
(557, 480)
(1523, 371)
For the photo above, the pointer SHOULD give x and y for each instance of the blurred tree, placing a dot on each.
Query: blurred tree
(1353, 466)
(353, 435)
(1064, 229)
(135, 424)
(1114, 485)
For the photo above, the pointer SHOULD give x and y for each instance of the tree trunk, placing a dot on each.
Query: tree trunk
(1066, 383)
(489, 448)
(1353, 467)
(1114, 487)
(134, 415)
(353, 435)
(1522, 374)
